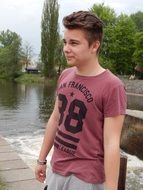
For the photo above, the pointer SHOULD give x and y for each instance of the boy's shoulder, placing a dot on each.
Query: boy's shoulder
(66, 72)
(112, 79)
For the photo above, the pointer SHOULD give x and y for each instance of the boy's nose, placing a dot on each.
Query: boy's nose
(66, 48)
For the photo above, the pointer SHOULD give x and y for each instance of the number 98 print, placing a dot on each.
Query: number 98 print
(72, 114)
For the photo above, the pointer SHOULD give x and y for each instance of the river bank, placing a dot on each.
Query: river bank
(134, 86)
(35, 78)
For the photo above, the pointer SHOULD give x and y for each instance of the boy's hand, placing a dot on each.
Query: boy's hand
(40, 173)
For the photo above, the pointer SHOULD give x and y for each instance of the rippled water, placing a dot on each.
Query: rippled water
(24, 108)
(24, 111)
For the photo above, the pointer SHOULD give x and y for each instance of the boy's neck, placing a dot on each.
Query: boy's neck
(90, 69)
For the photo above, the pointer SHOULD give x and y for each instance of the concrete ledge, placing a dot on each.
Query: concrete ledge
(8, 156)
(135, 113)
(14, 171)
(12, 164)
(3, 142)
(15, 175)
(5, 148)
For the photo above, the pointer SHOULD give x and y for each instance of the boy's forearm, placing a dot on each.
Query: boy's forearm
(111, 164)
(112, 133)
(48, 140)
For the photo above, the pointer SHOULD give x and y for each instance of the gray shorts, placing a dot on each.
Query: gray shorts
(57, 182)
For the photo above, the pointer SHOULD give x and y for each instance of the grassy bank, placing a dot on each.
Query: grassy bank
(30, 78)
(34, 78)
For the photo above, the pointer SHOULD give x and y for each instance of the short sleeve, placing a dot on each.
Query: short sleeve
(64, 73)
(115, 101)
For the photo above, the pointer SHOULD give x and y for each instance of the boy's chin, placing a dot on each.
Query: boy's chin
(71, 64)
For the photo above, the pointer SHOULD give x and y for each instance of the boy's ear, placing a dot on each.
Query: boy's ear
(95, 46)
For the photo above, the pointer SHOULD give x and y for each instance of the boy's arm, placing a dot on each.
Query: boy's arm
(112, 133)
(51, 128)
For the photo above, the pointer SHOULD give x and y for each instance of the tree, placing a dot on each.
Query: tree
(10, 49)
(49, 36)
(138, 54)
(138, 20)
(105, 13)
(124, 45)
(26, 54)
(118, 44)
(108, 16)
(39, 64)
(60, 58)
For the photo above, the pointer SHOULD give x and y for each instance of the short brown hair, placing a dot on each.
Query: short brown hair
(87, 22)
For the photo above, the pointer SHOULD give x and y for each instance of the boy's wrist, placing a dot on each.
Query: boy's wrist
(41, 162)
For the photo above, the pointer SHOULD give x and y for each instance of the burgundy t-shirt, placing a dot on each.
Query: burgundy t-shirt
(84, 102)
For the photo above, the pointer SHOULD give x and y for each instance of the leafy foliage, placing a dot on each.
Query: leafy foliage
(10, 48)
(26, 55)
(138, 54)
(49, 36)
(118, 44)
(124, 45)
(138, 20)
(60, 58)
(107, 14)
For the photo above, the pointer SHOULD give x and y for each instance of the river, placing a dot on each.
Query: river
(24, 111)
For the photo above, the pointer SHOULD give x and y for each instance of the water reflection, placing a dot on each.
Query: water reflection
(9, 95)
(46, 102)
(24, 108)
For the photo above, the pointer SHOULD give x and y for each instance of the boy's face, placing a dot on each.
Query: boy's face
(76, 47)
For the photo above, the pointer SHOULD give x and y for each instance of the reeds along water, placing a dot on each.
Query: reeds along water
(132, 136)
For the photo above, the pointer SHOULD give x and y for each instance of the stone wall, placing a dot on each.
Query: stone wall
(133, 86)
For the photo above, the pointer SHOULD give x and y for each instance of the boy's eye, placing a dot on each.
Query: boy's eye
(74, 43)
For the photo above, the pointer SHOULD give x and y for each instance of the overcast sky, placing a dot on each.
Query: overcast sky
(24, 16)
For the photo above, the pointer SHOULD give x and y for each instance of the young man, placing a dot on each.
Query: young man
(87, 119)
